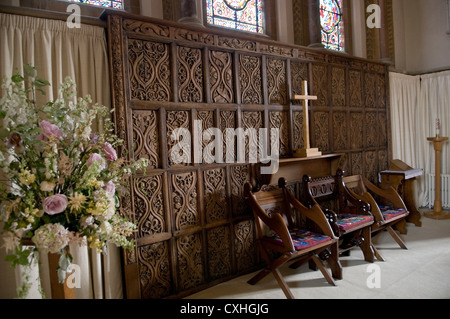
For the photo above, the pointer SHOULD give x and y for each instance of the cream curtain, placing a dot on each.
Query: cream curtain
(416, 103)
(57, 52)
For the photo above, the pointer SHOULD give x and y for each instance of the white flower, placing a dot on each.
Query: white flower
(51, 237)
(10, 242)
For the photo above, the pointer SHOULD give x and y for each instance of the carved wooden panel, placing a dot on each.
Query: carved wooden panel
(250, 79)
(149, 71)
(190, 74)
(194, 225)
(276, 81)
(184, 200)
(214, 195)
(146, 137)
(221, 77)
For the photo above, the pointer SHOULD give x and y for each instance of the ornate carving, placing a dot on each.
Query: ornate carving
(252, 120)
(298, 130)
(149, 206)
(320, 79)
(234, 43)
(280, 120)
(149, 70)
(250, 79)
(370, 89)
(356, 127)
(299, 73)
(219, 252)
(322, 130)
(221, 77)
(244, 243)
(372, 128)
(338, 86)
(190, 74)
(340, 131)
(154, 271)
(239, 175)
(146, 137)
(145, 28)
(184, 200)
(276, 81)
(190, 265)
(215, 195)
(356, 91)
(176, 120)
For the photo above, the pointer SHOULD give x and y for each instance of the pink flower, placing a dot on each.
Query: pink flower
(109, 151)
(94, 157)
(49, 130)
(110, 187)
(55, 204)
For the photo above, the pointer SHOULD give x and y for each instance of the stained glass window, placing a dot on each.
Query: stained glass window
(332, 22)
(244, 15)
(115, 4)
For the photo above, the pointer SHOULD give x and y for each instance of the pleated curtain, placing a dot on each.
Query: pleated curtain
(58, 51)
(416, 103)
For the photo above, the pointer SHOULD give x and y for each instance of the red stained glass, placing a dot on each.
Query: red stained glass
(331, 20)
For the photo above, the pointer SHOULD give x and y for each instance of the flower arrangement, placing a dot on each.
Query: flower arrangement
(65, 181)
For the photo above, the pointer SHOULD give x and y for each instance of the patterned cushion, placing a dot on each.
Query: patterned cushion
(303, 239)
(390, 212)
(349, 221)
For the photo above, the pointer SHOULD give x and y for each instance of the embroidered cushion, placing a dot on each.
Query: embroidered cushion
(390, 212)
(349, 221)
(303, 239)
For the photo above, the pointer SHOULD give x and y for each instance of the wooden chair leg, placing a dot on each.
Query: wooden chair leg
(282, 283)
(334, 262)
(366, 245)
(255, 279)
(377, 254)
(323, 270)
(396, 237)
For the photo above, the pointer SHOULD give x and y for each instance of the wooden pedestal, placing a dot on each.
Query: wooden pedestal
(438, 212)
(59, 291)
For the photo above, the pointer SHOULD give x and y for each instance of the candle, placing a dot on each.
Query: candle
(438, 127)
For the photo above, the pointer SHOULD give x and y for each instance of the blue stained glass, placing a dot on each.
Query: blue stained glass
(244, 15)
(332, 23)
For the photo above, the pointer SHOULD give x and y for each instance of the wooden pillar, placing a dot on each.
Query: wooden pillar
(437, 212)
(315, 29)
(190, 14)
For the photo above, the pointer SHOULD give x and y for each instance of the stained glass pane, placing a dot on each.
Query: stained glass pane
(332, 22)
(244, 15)
(116, 4)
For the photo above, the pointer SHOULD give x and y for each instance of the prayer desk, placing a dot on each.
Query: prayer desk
(401, 177)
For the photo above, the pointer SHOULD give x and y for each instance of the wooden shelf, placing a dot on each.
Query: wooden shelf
(293, 169)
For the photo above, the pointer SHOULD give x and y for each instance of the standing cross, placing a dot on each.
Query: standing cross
(305, 97)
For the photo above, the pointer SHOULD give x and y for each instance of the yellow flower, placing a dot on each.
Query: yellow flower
(26, 177)
(76, 201)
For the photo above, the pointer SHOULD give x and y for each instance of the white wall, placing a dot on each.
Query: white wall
(422, 42)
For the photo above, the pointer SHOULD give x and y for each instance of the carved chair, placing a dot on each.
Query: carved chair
(388, 212)
(282, 239)
(350, 219)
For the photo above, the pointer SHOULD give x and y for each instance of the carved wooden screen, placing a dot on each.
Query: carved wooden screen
(194, 226)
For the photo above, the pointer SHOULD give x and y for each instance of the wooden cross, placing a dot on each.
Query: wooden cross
(307, 151)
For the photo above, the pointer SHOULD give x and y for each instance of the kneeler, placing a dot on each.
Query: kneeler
(388, 212)
(282, 239)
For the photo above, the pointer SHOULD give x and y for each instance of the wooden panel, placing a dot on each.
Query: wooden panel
(195, 228)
